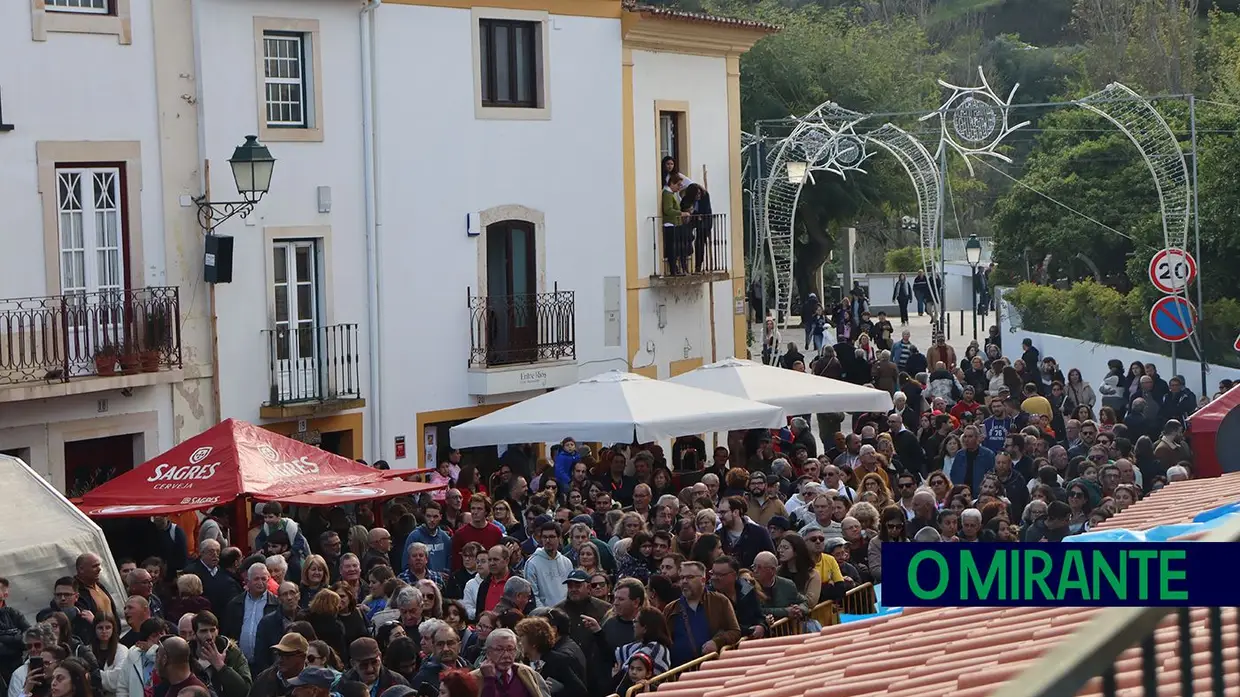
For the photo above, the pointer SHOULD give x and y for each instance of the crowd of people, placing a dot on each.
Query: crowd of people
(590, 570)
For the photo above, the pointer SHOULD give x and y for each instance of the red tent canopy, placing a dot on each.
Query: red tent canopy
(235, 458)
(1214, 433)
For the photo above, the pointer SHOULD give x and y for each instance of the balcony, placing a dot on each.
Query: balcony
(311, 370)
(522, 342)
(86, 342)
(698, 250)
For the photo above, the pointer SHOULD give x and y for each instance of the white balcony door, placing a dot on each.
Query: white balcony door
(92, 259)
(296, 320)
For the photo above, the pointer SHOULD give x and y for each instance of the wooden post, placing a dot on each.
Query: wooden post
(215, 320)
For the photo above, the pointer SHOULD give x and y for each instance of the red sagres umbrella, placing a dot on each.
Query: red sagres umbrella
(231, 459)
(1214, 432)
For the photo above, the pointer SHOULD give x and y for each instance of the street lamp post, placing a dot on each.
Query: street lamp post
(252, 166)
(973, 255)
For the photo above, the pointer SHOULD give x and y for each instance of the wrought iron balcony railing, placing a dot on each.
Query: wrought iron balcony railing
(310, 363)
(59, 338)
(696, 247)
(513, 329)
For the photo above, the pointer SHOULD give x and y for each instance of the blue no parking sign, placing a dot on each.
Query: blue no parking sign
(1173, 319)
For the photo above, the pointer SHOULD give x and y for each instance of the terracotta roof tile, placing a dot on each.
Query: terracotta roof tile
(927, 652)
(1176, 503)
(967, 651)
(671, 13)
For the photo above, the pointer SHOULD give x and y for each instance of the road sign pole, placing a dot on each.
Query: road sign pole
(1192, 125)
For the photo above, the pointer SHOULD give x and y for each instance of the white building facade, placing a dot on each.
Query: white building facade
(293, 353)
(100, 351)
(463, 214)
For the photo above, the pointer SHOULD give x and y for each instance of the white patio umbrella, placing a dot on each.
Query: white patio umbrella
(616, 407)
(797, 393)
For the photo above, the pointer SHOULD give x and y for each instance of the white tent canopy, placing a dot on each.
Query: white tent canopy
(796, 393)
(616, 407)
(41, 536)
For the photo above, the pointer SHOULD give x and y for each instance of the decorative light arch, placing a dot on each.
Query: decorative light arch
(974, 122)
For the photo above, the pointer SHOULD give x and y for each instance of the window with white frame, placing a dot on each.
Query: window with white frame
(94, 7)
(91, 227)
(287, 82)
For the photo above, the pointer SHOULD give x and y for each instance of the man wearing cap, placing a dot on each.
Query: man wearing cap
(312, 682)
(368, 667)
(586, 615)
(446, 655)
(761, 506)
(290, 660)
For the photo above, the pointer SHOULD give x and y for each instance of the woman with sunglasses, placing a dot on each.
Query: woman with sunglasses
(551, 487)
(320, 655)
(891, 529)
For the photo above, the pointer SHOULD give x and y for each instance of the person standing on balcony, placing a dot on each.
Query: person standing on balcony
(673, 220)
(695, 200)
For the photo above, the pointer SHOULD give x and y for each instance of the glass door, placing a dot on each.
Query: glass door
(296, 321)
(512, 293)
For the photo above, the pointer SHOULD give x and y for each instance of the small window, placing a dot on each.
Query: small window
(286, 80)
(92, 7)
(509, 58)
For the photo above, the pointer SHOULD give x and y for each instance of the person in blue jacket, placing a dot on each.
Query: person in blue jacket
(972, 461)
(564, 461)
(438, 542)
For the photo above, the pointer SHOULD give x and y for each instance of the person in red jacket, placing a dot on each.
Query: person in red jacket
(479, 529)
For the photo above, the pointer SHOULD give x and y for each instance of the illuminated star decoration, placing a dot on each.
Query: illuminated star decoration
(978, 121)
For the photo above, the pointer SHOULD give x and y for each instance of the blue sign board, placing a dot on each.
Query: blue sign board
(1173, 319)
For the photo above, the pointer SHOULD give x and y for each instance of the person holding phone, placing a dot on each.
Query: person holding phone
(31, 672)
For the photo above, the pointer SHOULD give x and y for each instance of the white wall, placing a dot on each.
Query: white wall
(1091, 358)
(71, 87)
(439, 164)
(229, 85)
(702, 82)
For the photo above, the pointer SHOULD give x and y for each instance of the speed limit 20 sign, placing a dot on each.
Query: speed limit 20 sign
(1171, 270)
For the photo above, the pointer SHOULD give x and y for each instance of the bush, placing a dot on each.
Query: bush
(1103, 315)
(903, 260)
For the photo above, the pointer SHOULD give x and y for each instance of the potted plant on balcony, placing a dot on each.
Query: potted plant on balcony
(105, 361)
(130, 358)
(157, 335)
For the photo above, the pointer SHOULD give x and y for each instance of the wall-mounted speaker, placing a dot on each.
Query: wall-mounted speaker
(217, 263)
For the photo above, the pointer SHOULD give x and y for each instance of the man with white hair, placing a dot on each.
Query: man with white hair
(245, 611)
(970, 524)
(925, 512)
(277, 567)
(804, 497)
(1177, 473)
(185, 626)
(867, 463)
(218, 585)
(500, 672)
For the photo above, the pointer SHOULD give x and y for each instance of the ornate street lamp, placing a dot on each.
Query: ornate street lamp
(973, 255)
(252, 166)
(797, 172)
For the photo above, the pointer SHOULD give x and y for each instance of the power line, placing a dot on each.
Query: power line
(1065, 206)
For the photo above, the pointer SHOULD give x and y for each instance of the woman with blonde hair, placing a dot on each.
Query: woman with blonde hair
(432, 599)
(315, 576)
(706, 521)
(874, 482)
(866, 514)
(630, 524)
(359, 541)
(502, 512)
(324, 615)
(189, 597)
